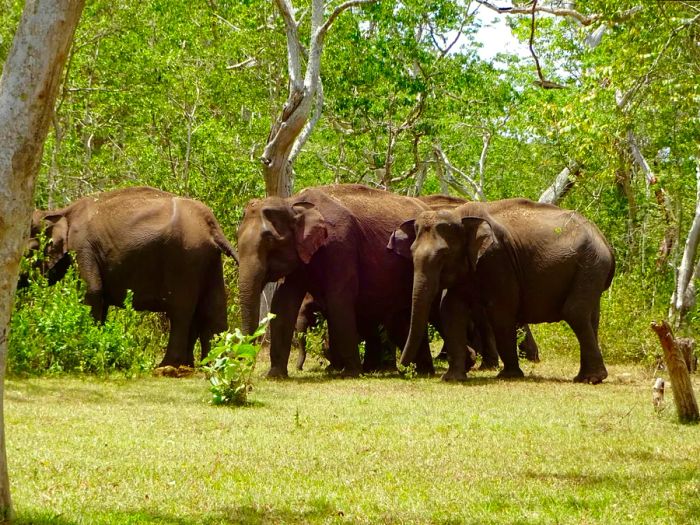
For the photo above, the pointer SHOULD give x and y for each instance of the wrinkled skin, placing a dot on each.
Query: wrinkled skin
(164, 248)
(519, 261)
(479, 333)
(329, 241)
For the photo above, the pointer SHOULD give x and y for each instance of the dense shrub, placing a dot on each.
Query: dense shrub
(52, 331)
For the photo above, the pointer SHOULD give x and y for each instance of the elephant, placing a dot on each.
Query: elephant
(166, 249)
(307, 319)
(480, 336)
(329, 241)
(518, 261)
(379, 354)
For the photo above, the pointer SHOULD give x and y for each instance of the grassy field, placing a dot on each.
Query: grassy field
(378, 449)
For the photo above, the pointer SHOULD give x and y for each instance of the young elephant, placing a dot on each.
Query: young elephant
(166, 249)
(329, 241)
(379, 354)
(519, 261)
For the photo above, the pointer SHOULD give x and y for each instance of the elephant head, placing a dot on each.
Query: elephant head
(55, 227)
(275, 238)
(445, 249)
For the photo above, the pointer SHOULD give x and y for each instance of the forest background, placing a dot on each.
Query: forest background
(181, 95)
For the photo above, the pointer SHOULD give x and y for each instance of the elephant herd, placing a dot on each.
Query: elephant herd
(366, 259)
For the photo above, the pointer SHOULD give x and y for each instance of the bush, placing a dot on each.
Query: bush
(230, 365)
(52, 331)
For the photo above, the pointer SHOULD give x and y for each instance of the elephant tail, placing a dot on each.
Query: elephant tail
(608, 282)
(222, 242)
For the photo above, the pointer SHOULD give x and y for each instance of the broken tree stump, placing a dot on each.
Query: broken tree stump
(683, 395)
(687, 347)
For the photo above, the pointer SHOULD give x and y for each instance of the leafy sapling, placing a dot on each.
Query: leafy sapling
(230, 365)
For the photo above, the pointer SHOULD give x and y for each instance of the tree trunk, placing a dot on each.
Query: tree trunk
(682, 387)
(28, 88)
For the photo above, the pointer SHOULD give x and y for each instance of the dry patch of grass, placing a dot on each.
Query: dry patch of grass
(375, 449)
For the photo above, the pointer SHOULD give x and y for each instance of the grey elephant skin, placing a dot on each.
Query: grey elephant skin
(479, 334)
(329, 241)
(166, 249)
(515, 260)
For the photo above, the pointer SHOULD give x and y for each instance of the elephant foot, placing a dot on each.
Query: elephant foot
(351, 372)
(173, 371)
(425, 369)
(332, 369)
(452, 375)
(592, 378)
(510, 373)
(277, 373)
(488, 365)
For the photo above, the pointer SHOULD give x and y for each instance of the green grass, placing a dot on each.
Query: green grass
(372, 450)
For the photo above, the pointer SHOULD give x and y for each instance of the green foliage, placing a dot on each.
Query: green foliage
(230, 365)
(52, 332)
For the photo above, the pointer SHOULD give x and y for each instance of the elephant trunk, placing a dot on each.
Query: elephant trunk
(250, 285)
(425, 287)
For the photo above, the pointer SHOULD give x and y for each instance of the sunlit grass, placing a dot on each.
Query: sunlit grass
(376, 449)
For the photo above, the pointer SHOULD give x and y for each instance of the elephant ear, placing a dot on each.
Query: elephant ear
(57, 230)
(311, 230)
(480, 237)
(401, 240)
(276, 222)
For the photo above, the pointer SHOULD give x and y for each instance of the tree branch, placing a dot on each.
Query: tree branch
(293, 42)
(681, 299)
(572, 13)
(561, 185)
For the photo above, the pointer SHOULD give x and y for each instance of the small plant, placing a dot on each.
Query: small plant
(409, 371)
(230, 365)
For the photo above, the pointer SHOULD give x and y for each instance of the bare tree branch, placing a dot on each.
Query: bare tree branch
(310, 125)
(293, 42)
(682, 299)
(338, 10)
(515, 10)
(561, 185)
(476, 193)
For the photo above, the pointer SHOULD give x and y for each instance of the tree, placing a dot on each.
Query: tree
(292, 127)
(28, 88)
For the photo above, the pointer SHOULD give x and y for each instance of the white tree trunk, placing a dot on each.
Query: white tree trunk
(292, 128)
(28, 87)
(561, 186)
(684, 295)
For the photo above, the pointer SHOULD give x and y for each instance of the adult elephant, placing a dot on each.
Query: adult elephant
(517, 260)
(329, 241)
(166, 249)
(479, 333)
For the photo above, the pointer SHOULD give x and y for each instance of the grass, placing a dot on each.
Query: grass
(378, 449)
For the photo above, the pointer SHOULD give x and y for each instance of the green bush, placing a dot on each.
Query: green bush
(52, 331)
(230, 365)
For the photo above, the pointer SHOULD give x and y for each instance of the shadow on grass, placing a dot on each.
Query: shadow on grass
(318, 510)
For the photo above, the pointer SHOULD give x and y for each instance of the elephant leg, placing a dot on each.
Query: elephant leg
(373, 351)
(528, 346)
(397, 329)
(211, 314)
(94, 295)
(487, 346)
(301, 357)
(453, 312)
(285, 306)
(592, 368)
(506, 336)
(181, 333)
(342, 332)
